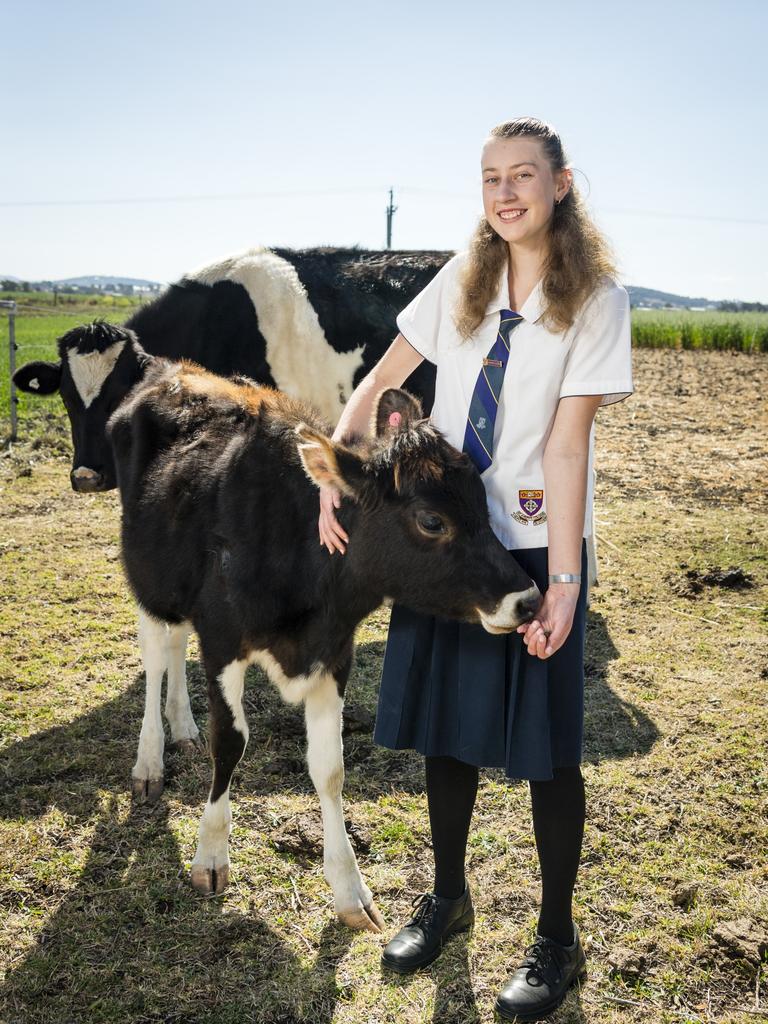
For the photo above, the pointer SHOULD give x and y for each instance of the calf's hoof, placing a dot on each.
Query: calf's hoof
(189, 746)
(209, 881)
(147, 790)
(366, 919)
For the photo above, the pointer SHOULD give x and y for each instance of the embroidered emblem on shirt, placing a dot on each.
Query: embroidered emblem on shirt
(531, 501)
(530, 504)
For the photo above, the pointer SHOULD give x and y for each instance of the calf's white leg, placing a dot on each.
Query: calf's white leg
(184, 732)
(147, 773)
(353, 900)
(228, 736)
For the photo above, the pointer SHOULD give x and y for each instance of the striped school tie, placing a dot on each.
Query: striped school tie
(478, 439)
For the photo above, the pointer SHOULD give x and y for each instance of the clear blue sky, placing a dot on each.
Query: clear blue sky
(661, 107)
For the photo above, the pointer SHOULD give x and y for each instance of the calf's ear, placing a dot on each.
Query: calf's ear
(329, 464)
(38, 378)
(395, 409)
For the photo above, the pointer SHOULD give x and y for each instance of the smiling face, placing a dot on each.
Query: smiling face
(520, 189)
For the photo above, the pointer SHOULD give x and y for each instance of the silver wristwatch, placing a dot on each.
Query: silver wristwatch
(565, 577)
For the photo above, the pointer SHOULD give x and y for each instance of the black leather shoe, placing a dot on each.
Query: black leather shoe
(542, 980)
(421, 940)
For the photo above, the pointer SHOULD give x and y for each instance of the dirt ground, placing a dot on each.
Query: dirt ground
(100, 923)
(695, 431)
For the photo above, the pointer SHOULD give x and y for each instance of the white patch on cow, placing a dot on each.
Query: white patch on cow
(90, 369)
(212, 851)
(505, 616)
(34, 384)
(325, 759)
(302, 362)
(163, 648)
(84, 473)
(231, 684)
(293, 689)
(153, 645)
(177, 707)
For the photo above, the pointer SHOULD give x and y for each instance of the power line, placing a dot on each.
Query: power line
(223, 197)
(414, 190)
(622, 211)
(682, 216)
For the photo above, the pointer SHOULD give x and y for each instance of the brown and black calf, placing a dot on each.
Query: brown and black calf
(218, 481)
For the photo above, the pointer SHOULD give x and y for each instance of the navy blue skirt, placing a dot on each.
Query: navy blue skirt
(451, 689)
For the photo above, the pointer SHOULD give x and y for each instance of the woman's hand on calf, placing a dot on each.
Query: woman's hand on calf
(332, 533)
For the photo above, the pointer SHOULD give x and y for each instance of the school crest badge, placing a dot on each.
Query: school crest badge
(530, 501)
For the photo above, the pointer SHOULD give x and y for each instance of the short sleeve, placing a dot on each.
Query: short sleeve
(600, 360)
(420, 321)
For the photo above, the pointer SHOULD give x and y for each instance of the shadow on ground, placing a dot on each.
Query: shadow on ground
(132, 933)
(133, 928)
(58, 766)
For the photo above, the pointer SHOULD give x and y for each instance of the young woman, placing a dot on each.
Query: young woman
(530, 333)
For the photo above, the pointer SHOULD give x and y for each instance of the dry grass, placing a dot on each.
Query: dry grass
(99, 921)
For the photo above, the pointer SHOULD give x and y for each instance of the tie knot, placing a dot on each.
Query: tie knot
(508, 322)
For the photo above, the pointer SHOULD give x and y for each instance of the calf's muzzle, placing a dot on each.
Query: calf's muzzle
(86, 480)
(512, 611)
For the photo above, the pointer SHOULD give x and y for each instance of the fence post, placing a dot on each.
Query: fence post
(11, 307)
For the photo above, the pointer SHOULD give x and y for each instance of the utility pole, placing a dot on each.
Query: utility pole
(391, 210)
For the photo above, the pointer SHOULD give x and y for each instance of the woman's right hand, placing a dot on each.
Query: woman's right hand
(397, 363)
(332, 533)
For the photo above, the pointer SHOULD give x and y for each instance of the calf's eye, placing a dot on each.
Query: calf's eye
(430, 523)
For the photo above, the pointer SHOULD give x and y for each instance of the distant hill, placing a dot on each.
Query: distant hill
(102, 281)
(649, 298)
(87, 283)
(652, 298)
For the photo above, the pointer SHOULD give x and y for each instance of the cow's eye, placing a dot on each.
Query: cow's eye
(430, 523)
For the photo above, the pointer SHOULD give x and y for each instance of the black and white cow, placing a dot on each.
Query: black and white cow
(219, 533)
(310, 322)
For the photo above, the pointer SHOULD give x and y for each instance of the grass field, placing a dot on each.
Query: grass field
(100, 923)
(36, 334)
(97, 304)
(705, 331)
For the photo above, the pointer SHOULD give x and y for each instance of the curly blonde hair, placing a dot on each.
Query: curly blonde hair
(578, 253)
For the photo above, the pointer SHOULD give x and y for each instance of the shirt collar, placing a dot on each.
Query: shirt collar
(532, 307)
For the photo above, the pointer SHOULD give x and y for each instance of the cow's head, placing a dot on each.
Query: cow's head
(98, 364)
(419, 528)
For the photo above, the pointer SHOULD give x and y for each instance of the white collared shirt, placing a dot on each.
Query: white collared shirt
(592, 357)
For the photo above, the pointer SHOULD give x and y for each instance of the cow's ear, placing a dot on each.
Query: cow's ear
(38, 378)
(395, 409)
(329, 464)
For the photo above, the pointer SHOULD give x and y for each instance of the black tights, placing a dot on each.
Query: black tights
(558, 807)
